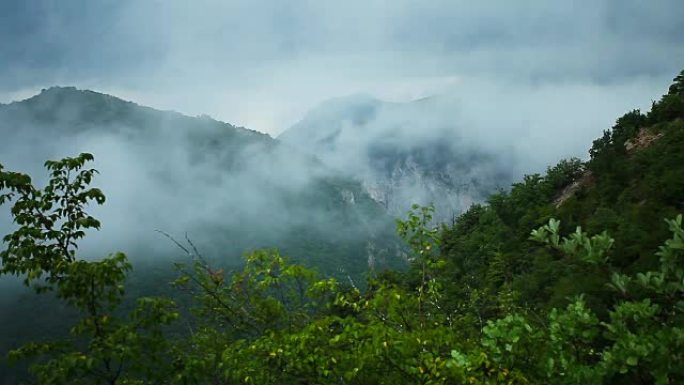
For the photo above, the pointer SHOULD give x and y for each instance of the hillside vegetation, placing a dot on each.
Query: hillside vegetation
(571, 277)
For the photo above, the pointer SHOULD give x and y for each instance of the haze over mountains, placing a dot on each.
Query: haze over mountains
(344, 172)
(230, 189)
(326, 189)
(404, 153)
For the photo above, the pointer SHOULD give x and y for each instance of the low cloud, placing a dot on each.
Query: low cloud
(230, 189)
(263, 64)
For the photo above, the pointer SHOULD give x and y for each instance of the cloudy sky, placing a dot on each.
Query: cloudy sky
(263, 64)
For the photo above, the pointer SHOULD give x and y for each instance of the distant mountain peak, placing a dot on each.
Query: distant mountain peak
(350, 106)
(67, 92)
(355, 110)
(59, 96)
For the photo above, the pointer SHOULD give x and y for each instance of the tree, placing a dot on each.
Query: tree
(104, 348)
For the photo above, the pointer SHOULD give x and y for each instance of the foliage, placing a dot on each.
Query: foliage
(50, 220)
(102, 345)
(276, 322)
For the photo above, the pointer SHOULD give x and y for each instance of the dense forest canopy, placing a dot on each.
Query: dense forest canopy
(575, 276)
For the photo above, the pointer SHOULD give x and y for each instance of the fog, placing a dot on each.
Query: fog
(454, 148)
(228, 188)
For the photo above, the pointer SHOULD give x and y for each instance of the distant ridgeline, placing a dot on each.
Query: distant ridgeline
(230, 189)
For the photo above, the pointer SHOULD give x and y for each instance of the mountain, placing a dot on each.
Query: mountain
(229, 188)
(403, 153)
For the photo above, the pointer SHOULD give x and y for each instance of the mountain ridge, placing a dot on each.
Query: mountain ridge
(71, 94)
(232, 174)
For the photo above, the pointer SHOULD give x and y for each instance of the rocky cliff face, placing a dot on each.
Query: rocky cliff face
(430, 173)
(403, 153)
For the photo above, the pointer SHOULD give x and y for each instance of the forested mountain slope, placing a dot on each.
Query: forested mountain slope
(634, 179)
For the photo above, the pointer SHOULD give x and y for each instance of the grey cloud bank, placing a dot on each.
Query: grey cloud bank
(263, 64)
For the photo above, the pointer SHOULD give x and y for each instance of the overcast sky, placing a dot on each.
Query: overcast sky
(263, 64)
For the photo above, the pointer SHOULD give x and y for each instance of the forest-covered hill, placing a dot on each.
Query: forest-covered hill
(229, 188)
(633, 179)
(571, 277)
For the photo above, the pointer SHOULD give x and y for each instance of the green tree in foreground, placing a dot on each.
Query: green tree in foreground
(104, 348)
(275, 322)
